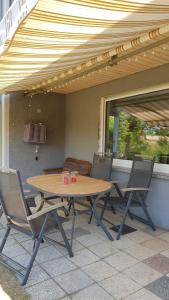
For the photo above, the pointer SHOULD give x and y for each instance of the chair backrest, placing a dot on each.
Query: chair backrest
(141, 172)
(11, 195)
(102, 166)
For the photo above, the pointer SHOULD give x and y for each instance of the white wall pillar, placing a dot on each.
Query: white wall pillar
(5, 131)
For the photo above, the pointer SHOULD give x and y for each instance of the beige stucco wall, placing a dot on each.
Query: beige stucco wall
(48, 109)
(82, 108)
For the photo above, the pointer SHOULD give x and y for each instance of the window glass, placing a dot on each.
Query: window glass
(127, 135)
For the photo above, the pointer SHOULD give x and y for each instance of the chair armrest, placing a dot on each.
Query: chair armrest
(30, 196)
(134, 189)
(115, 181)
(52, 171)
(46, 210)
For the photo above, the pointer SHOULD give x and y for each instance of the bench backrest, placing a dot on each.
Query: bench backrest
(73, 164)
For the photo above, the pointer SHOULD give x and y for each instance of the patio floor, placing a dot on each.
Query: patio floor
(134, 268)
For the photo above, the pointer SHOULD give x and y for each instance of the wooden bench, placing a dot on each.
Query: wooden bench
(72, 164)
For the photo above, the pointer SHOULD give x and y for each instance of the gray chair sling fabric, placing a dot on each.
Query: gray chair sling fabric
(135, 193)
(19, 217)
(101, 169)
(102, 166)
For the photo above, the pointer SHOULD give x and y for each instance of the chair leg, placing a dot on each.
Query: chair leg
(63, 235)
(66, 211)
(39, 240)
(69, 208)
(73, 222)
(124, 216)
(103, 210)
(91, 214)
(146, 212)
(5, 239)
(113, 209)
(130, 215)
(98, 220)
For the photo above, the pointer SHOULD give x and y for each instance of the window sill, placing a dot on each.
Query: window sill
(161, 171)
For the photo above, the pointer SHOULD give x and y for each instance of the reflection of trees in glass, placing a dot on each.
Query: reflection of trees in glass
(136, 136)
(132, 137)
(109, 144)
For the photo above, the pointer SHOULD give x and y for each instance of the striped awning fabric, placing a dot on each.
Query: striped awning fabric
(52, 45)
(155, 112)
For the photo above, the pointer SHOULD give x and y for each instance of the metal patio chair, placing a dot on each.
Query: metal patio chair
(101, 169)
(19, 217)
(134, 194)
(102, 165)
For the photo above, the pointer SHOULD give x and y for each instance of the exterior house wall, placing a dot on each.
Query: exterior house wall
(41, 108)
(82, 130)
(82, 108)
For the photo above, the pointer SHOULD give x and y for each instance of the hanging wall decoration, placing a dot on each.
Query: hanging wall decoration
(35, 133)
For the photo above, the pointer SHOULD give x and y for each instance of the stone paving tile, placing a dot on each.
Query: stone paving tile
(47, 253)
(37, 275)
(164, 236)
(158, 262)
(138, 236)
(76, 247)
(142, 294)
(14, 250)
(58, 266)
(2, 232)
(21, 237)
(89, 239)
(24, 259)
(142, 274)
(84, 257)
(94, 292)
(77, 233)
(160, 287)
(56, 236)
(156, 244)
(103, 249)
(73, 281)
(140, 252)
(46, 290)
(165, 253)
(119, 286)
(135, 224)
(123, 243)
(121, 260)
(99, 270)
(10, 241)
(28, 245)
(156, 233)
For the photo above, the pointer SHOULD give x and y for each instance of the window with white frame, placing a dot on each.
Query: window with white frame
(4, 5)
(138, 125)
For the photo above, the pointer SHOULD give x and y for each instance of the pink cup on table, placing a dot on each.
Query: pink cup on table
(74, 176)
(66, 177)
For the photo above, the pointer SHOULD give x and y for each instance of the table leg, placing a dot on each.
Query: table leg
(73, 221)
(98, 220)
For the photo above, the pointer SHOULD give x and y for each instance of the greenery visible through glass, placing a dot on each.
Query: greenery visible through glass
(138, 137)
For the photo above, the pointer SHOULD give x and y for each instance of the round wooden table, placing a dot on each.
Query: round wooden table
(85, 186)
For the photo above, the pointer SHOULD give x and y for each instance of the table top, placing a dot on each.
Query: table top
(85, 186)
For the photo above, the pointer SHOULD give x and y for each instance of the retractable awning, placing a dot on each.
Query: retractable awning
(150, 107)
(64, 46)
